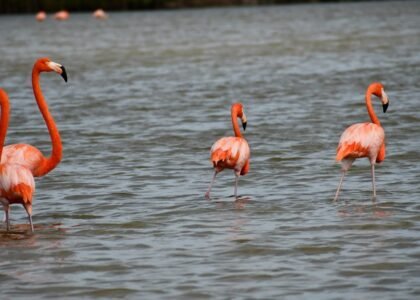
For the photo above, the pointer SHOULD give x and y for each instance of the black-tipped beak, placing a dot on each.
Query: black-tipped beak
(244, 125)
(385, 106)
(64, 73)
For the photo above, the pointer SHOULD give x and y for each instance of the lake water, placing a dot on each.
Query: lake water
(124, 214)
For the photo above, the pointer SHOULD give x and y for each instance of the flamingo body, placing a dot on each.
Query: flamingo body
(364, 139)
(17, 184)
(41, 16)
(231, 152)
(361, 140)
(100, 14)
(25, 155)
(62, 15)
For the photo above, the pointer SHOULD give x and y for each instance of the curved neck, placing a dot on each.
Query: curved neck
(57, 148)
(235, 125)
(369, 107)
(4, 121)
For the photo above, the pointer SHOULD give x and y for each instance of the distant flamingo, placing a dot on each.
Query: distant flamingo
(27, 155)
(231, 152)
(41, 16)
(17, 184)
(364, 139)
(100, 14)
(61, 15)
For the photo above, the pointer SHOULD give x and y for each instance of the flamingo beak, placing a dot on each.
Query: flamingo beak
(385, 106)
(58, 69)
(385, 100)
(243, 119)
(63, 73)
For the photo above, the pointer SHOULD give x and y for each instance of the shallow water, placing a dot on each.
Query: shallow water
(124, 214)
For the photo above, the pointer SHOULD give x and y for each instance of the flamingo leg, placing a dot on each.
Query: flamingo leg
(339, 185)
(236, 185)
(30, 222)
(6, 214)
(28, 209)
(207, 195)
(373, 180)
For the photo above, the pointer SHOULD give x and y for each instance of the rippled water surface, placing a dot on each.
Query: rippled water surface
(124, 214)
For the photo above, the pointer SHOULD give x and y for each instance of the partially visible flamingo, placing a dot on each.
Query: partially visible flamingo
(364, 139)
(41, 16)
(100, 14)
(27, 155)
(231, 152)
(17, 184)
(62, 15)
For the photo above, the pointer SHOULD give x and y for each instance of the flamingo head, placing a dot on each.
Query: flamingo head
(46, 65)
(378, 91)
(238, 110)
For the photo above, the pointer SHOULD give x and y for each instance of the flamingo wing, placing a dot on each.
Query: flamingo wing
(361, 140)
(230, 152)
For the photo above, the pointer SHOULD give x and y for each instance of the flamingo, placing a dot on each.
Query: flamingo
(27, 155)
(61, 15)
(100, 14)
(231, 152)
(17, 184)
(41, 16)
(364, 139)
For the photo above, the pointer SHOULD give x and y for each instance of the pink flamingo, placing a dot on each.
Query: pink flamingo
(17, 184)
(61, 15)
(41, 16)
(364, 139)
(27, 155)
(100, 14)
(231, 152)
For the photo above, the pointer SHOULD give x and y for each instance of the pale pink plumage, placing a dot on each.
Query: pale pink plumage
(41, 16)
(23, 154)
(230, 152)
(361, 140)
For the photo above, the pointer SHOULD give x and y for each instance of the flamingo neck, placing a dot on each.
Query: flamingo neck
(235, 125)
(57, 147)
(369, 106)
(4, 122)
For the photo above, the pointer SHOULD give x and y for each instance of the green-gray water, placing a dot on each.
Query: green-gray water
(124, 214)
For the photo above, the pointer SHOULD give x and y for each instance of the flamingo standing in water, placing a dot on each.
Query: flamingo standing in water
(231, 152)
(17, 184)
(100, 14)
(364, 139)
(41, 16)
(27, 155)
(62, 15)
